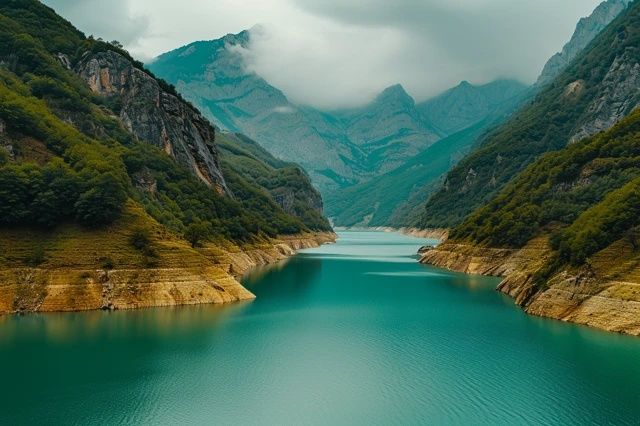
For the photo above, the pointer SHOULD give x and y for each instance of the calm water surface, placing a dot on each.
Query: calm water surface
(352, 333)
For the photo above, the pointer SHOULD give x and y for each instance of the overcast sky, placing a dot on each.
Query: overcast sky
(338, 53)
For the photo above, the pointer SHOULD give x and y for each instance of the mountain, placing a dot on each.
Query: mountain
(467, 104)
(287, 183)
(586, 30)
(396, 198)
(598, 89)
(564, 232)
(212, 75)
(390, 199)
(388, 130)
(337, 148)
(341, 150)
(115, 191)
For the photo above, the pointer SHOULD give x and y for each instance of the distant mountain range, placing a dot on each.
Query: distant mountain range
(396, 197)
(339, 149)
(374, 164)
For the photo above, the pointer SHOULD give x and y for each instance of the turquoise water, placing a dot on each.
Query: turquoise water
(352, 333)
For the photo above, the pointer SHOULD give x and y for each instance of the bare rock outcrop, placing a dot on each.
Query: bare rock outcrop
(586, 30)
(604, 294)
(155, 116)
(618, 95)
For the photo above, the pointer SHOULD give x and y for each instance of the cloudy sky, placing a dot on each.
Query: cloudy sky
(338, 53)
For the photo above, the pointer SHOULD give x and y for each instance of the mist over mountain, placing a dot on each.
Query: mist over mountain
(337, 148)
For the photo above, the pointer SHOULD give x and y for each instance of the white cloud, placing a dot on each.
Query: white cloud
(338, 53)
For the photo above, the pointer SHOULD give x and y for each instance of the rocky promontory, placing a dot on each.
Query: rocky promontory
(604, 294)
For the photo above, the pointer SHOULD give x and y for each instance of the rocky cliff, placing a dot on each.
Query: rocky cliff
(617, 96)
(592, 94)
(95, 270)
(605, 294)
(153, 115)
(586, 30)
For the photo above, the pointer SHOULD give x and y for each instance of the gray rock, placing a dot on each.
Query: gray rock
(618, 95)
(155, 116)
(586, 30)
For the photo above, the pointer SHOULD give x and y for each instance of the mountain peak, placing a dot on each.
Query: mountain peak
(586, 30)
(394, 93)
(242, 38)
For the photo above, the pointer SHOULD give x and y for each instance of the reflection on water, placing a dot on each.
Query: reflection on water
(352, 333)
(160, 323)
(293, 278)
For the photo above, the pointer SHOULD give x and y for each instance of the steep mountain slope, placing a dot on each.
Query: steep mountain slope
(113, 191)
(598, 89)
(396, 198)
(565, 233)
(212, 75)
(390, 199)
(389, 130)
(287, 184)
(467, 104)
(586, 30)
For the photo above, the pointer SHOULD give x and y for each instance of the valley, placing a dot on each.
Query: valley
(358, 213)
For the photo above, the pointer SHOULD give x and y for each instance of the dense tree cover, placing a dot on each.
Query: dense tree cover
(93, 165)
(546, 124)
(180, 201)
(586, 194)
(601, 225)
(244, 157)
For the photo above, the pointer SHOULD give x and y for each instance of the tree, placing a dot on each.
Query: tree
(196, 233)
(103, 202)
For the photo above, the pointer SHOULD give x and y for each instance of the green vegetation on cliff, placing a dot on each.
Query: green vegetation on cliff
(596, 90)
(65, 156)
(586, 196)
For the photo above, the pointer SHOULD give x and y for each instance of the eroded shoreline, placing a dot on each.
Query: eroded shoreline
(212, 279)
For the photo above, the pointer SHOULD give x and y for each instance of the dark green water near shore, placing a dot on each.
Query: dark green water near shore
(352, 333)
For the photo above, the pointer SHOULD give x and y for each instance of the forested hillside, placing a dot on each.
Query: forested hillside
(76, 147)
(586, 195)
(598, 89)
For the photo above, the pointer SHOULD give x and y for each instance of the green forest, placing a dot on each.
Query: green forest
(85, 173)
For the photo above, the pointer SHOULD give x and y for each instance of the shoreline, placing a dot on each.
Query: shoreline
(440, 234)
(213, 279)
(590, 296)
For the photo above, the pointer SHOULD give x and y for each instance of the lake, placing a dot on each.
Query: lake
(352, 333)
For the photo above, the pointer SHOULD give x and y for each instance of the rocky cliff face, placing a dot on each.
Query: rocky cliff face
(604, 294)
(618, 95)
(154, 115)
(586, 30)
(213, 76)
